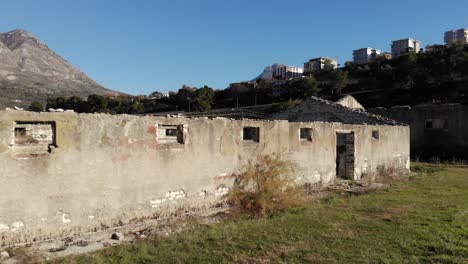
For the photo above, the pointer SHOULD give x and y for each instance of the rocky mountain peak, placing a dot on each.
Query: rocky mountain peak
(15, 38)
(268, 72)
(30, 70)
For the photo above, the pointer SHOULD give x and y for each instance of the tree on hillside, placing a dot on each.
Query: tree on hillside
(96, 104)
(302, 88)
(36, 107)
(407, 65)
(59, 102)
(328, 65)
(75, 103)
(204, 99)
(339, 81)
(184, 97)
(136, 108)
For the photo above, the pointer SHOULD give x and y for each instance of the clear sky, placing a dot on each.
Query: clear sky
(141, 46)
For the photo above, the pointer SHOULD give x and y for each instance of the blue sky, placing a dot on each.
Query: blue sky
(141, 46)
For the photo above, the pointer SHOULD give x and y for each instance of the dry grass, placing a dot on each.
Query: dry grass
(265, 186)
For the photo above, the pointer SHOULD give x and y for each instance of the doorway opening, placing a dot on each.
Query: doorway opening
(345, 155)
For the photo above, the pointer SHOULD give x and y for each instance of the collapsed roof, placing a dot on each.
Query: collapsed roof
(315, 109)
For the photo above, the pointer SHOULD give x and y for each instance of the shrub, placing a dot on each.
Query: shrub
(36, 107)
(265, 186)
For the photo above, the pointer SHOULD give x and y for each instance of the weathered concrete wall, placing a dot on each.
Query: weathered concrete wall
(436, 130)
(104, 170)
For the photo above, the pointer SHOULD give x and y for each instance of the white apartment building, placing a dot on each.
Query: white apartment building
(459, 36)
(318, 64)
(402, 46)
(365, 55)
(288, 72)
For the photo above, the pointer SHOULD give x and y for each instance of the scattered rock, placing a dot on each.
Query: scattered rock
(106, 244)
(4, 227)
(59, 110)
(65, 219)
(117, 236)
(62, 248)
(68, 240)
(17, 225)
(376, 185)
(356, 187)
(52, 149)
(81, 243)
(4, 255)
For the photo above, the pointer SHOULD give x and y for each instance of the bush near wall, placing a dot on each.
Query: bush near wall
(267, 185)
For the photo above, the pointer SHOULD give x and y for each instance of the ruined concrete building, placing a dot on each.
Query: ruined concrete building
(68, 173)
(436, 130)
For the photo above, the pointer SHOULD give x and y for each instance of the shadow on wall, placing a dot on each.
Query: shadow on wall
(437, 131)
(440, 153)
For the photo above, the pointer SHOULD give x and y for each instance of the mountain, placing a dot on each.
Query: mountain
(267, 73)
(31, 71)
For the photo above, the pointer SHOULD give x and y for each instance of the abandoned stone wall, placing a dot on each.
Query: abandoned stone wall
(436, 130)
(77, 173)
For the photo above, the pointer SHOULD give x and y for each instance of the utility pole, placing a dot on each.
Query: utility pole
(189, 99)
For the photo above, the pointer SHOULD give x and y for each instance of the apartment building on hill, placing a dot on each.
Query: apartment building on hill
(319, 64)
(365, 55)
(459, 36)
(402, 46)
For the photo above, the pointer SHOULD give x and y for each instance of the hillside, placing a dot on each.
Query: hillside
(31, 71)
(438, 75)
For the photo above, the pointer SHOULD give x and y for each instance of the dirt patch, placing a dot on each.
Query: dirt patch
(134, 231)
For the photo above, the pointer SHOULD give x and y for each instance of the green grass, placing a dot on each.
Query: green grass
(423, 219)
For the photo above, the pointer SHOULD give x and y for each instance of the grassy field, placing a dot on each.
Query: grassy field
(423, 219)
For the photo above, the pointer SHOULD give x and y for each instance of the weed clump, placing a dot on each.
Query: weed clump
(267, 185)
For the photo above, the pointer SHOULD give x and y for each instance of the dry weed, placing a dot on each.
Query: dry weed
(265, 187)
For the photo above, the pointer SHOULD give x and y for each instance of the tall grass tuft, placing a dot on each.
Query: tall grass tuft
(267, 185)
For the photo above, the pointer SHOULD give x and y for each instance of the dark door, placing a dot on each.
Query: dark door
(345, 155)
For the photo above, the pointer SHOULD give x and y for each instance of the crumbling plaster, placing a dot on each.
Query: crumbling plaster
(110, 169)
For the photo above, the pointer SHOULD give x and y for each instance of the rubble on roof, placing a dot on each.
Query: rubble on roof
(318, 109)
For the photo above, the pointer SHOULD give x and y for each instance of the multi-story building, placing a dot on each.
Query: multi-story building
(365, 55)
(288, 72)
(403, 46)
(459, 36)
(318, 64)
